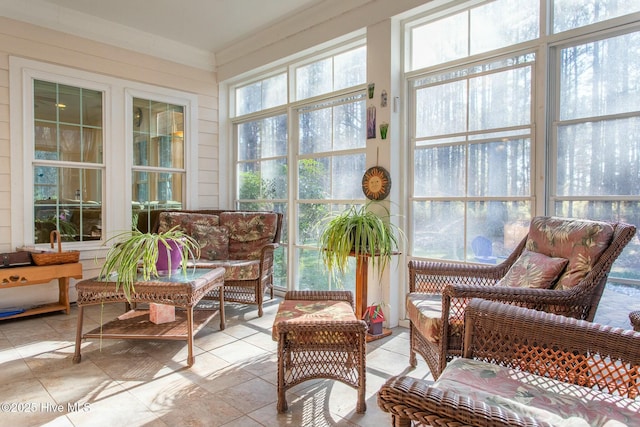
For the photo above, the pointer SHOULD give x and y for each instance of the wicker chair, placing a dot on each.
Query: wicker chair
(634, 318)
(523, 367)
(439, 292)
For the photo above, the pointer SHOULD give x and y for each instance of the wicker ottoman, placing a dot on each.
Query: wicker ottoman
(319, 337)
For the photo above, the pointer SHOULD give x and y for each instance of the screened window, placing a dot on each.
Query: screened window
(473, 133)
(331, 162)
(460, 34)
(471, 157)
(597, 124)
(302, 158)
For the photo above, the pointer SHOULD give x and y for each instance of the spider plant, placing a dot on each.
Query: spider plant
(357, 231)
(134, 251)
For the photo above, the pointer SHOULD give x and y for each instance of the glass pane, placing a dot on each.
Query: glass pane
(158, 134)
(500, 99)
(314, 179)
(45, 100)
(310, 218)
(350, 68)
(60, 132)
(599, 158)
(315, 131)
(346, 176)
(262, 95)
(500, 168)
(569, 14)
(438, 230)
(441, 109)
(263, 138)
(439, 41)
(495, 228)
(512, 22)
(600, 78)
(263, 180)
(91, 108)
(67, 199)
(627, 265)
(314, 79)
(69, 104)
(313, 275)
(155, 190)
(439, 171)
(349, 126)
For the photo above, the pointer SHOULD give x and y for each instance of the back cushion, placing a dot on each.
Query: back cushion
(580, 241)
(213, 239)
(185, 220)
(248, 232)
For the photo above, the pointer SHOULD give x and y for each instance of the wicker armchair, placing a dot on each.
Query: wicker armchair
(523, 367)
(439, 292)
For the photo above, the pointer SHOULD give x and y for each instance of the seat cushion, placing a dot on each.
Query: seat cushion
(425, 313)
(580, 241)
(238, 269)
(545, 399)
(310, 311)
(533, 270)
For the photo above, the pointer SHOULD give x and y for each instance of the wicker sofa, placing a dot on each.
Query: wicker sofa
(243, 242)
(523, 367)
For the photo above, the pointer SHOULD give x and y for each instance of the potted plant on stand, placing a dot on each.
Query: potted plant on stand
(359, 232)
(150, 254)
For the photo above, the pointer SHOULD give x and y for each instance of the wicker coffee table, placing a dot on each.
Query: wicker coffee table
(319, 337)
(183, 292)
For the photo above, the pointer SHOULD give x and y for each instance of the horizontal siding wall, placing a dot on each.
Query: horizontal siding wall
(40, 44)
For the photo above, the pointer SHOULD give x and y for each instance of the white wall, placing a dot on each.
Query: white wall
(27, 41)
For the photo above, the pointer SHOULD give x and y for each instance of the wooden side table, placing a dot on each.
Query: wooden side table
(177, 290)
(37, 275)
(319, 337)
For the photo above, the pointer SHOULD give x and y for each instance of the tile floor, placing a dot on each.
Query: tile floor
(232, 383)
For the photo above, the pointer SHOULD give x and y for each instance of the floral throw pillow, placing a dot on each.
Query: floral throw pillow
(534, 270)
(580, 241)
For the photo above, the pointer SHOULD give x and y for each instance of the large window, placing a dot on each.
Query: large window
(596, 134)
(158, 156)
(68, 165)
(299, 138)
(481, 128)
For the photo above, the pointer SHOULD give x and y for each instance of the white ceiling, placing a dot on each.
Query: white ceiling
(198, 25)
(204, 24)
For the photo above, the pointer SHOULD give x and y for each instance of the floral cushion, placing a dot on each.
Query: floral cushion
(249, 232)
(213, 240)
(185, 221)
(234, 269)
(580, 241)
(425, 313)
(302, 311)
(545, 399)
(533, 270)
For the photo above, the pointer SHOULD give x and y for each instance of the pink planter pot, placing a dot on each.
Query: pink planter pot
(165, 254)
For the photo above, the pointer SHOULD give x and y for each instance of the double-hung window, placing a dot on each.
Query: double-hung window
(300, 150)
